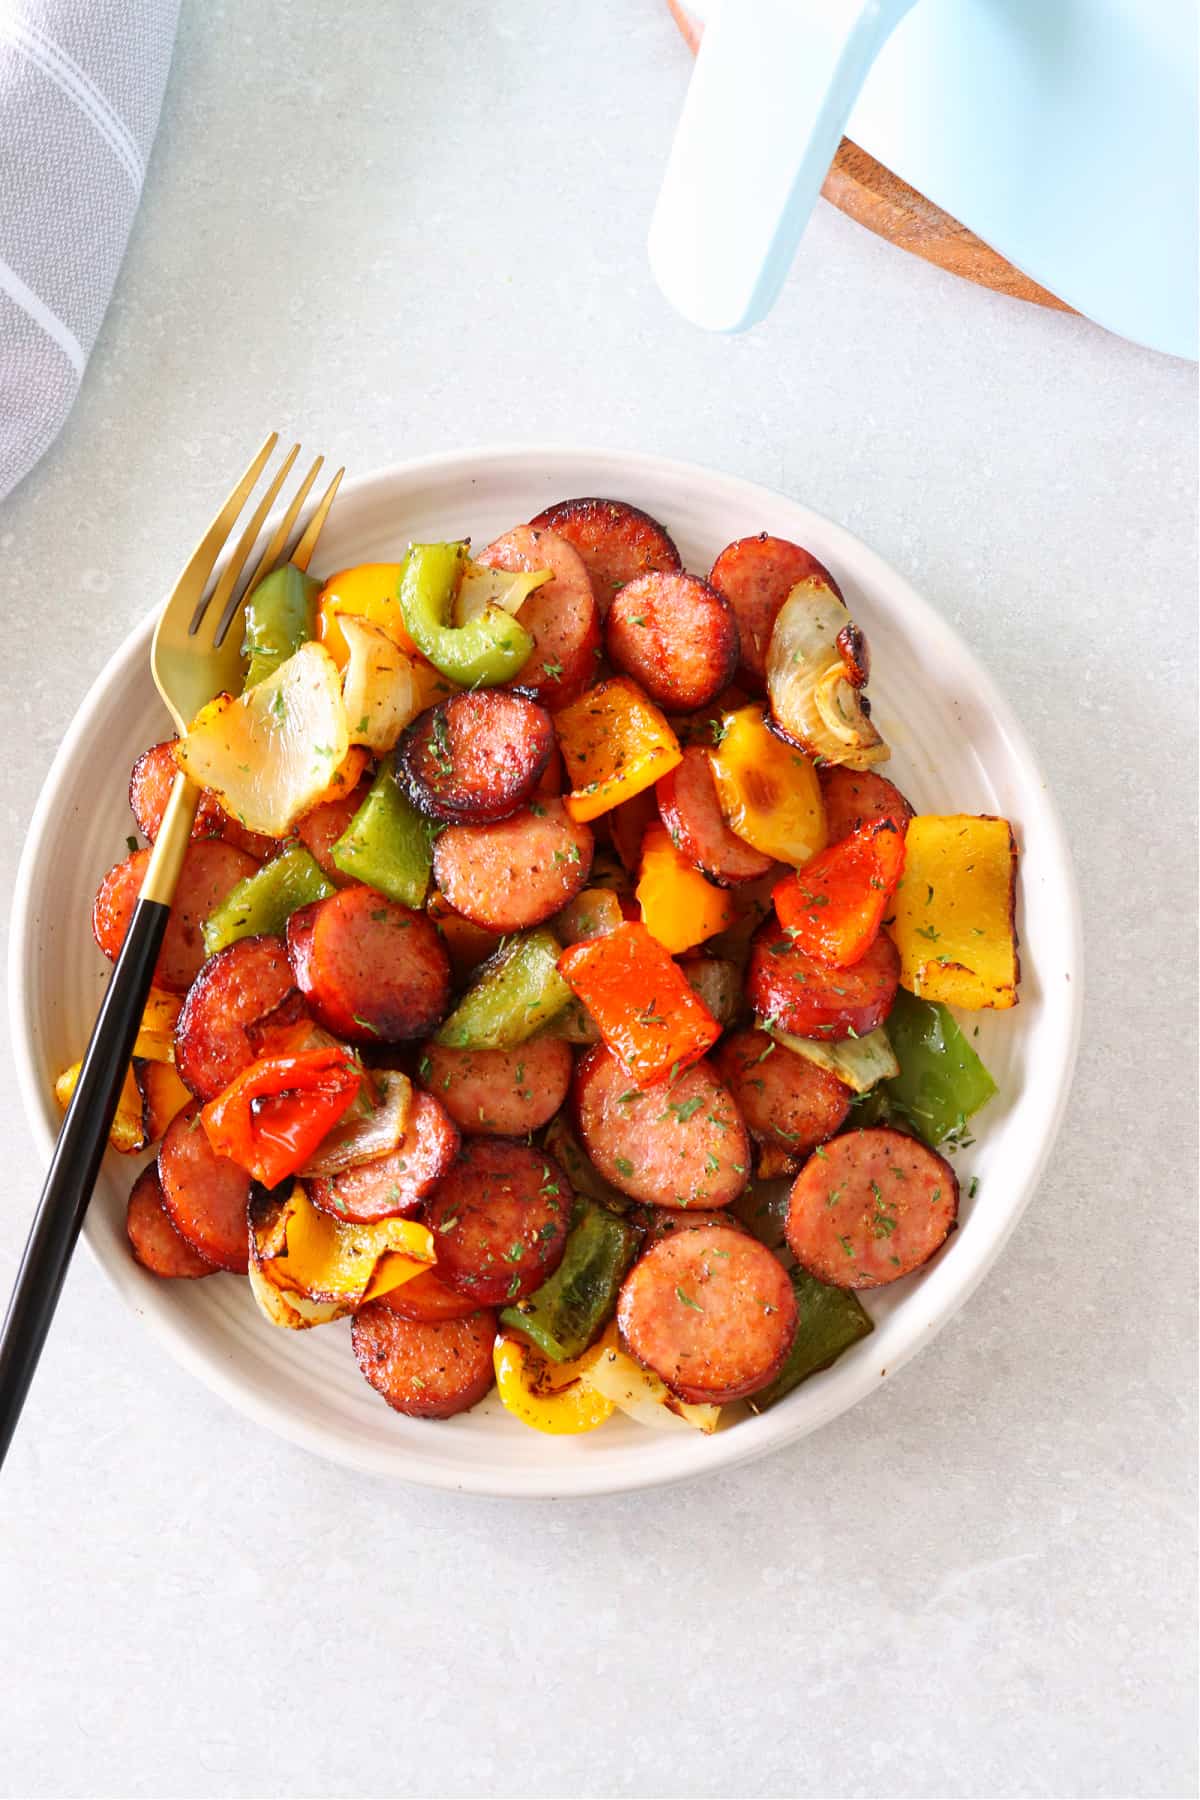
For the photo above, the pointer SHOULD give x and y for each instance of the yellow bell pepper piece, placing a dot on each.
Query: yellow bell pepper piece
(370, 591)
(128, 1130)
(954, 911)
(679, 907)
(549, 1397)
(615, 743)
(155, 1040)
(768, 789)
(306, 1251)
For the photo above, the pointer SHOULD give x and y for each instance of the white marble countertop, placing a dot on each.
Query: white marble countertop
(425, 228)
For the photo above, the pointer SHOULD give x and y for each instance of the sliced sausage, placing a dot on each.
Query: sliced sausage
(516, 873)
(616, 541)
(785, 1100)
(676, 636)
(674, 1144)
(756, 575)
(394, 1186)
(477, 757)
(504, 1092)
(561, 615)
(150, 784)
(237, 986)
(811, 999)
(427, 1298)
(210, 869)
(499, 1220)
(855, 797)
(872, 1207)
(468, 944)
(154, 1240)
(371, 970)
(426, 1370)
(205, 1194)
(664, 1221)
(286, 1030)
(711, 1312)
(320, 829)
(255, 843)
(690, 810)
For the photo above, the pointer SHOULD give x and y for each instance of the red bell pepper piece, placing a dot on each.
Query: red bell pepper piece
(640, 1000)
(273, 1115)
(833, 907)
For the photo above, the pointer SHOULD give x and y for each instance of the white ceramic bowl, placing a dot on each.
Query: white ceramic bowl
(956, 748)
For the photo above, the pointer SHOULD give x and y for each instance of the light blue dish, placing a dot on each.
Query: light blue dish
(1062, 132)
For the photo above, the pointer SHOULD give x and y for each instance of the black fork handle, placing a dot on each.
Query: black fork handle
(76, 1162)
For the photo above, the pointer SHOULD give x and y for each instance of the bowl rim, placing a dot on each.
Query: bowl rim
(943, 1291)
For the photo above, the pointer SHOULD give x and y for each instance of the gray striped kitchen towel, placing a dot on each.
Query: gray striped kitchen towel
(81, 83)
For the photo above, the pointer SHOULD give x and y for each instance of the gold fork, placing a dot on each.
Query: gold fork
(197, 654)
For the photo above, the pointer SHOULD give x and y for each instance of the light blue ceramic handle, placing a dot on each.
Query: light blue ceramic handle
(773, 87)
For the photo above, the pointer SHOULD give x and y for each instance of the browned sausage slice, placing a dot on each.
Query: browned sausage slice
(674, 1144)
(320, 829)
(370, 970)
(691, 812)
(503, 1092)
(237, 986)
(476, 757)
(393, 1186)
(784, 1099)
(427, 1298)
(499, 1220)
(872, 1207)
(711, 1312)
(150, 784)
(561, 615)
(855, 797)
(210, 869)
(810, 999)
(154, 1240)
(206, 1195)
(756, 575)
(426, 1370)
(676, 636)
(515, 873)
(616, 541)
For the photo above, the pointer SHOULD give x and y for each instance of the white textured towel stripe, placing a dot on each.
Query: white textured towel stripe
(81, 83)
(41, 315)
(67, 75)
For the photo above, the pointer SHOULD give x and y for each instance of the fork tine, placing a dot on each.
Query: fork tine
(222, 601)
(199, 566)
(302, 554)
(274, 550)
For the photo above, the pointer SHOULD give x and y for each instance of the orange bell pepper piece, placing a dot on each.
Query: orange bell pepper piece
(679, 907)
(272, 1116)
(370, 591)
(640, 1000)
(615, 743)
(833, 907)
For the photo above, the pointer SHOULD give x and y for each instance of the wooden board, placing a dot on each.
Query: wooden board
(870, 194)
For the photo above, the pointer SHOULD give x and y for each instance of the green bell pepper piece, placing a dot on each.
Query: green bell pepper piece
(387, 842)
(265, 901)
(570, 1310)
(515, 993)
(941, 1080)
(490, 649)
(281, 615)
(831, 1320)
